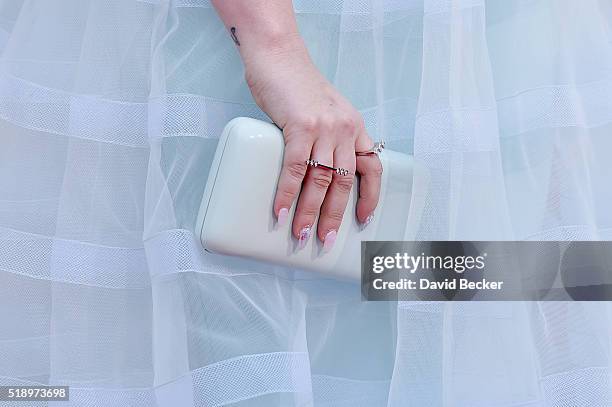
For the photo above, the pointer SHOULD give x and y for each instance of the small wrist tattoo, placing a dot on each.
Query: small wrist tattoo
(234, 37)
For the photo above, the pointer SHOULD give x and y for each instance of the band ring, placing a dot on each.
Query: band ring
(376, 149)
(338, 170)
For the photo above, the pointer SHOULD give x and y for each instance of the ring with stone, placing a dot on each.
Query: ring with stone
(316, 164)
(376, 149)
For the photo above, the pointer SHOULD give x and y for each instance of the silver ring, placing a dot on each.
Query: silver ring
(376, 149)
(316, 164)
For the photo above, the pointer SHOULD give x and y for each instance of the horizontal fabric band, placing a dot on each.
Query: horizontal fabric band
(587, 386)
(71, 261)
(170, 252)
(31, 106)
(77, 262)
(347, 6)
(36, 107)
(354, 15)
(308, 6)
(174, 251)
(246, 377)
(586, 105)
(178, 251)
(193, 115)
(55, 111)
(50, 110)
(218, 384)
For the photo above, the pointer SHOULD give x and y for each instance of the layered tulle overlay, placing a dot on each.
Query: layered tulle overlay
(109, 115)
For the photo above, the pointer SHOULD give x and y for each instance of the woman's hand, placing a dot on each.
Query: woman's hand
(320, 124)
(317, 122)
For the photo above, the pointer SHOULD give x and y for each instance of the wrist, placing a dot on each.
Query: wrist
(272, 46)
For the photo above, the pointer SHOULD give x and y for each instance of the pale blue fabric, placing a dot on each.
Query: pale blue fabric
(109, 115)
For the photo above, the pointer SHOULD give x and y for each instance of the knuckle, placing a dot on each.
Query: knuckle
(322, 179)
(307, 124)
(347, 125)
(308, 212)
(334, 216)
(344, 184)
(297, 170)
(285, 195)
(327, 124)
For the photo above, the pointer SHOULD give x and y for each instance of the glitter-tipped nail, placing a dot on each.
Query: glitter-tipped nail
(304, 236)
(368, 220)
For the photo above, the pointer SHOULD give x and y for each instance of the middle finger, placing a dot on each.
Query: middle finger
(334, 205)
(314, 188)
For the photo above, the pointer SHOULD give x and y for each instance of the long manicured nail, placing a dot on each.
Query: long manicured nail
(283, 215)
(304, 236)
(368, 220)
(330, 239)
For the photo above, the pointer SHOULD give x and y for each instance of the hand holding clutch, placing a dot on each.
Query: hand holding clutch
(237, 217)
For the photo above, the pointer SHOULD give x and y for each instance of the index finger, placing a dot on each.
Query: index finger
(291, 177)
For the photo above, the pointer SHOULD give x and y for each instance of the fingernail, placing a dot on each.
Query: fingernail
(304, 236)
(283, 215)
(368, 220)
(330, 239)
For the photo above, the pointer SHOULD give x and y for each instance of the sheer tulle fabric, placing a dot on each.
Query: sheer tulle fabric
(109, 114)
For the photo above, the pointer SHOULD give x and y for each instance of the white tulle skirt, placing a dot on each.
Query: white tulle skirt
(109, 115)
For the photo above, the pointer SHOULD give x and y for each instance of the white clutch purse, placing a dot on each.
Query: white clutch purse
(236, 214)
